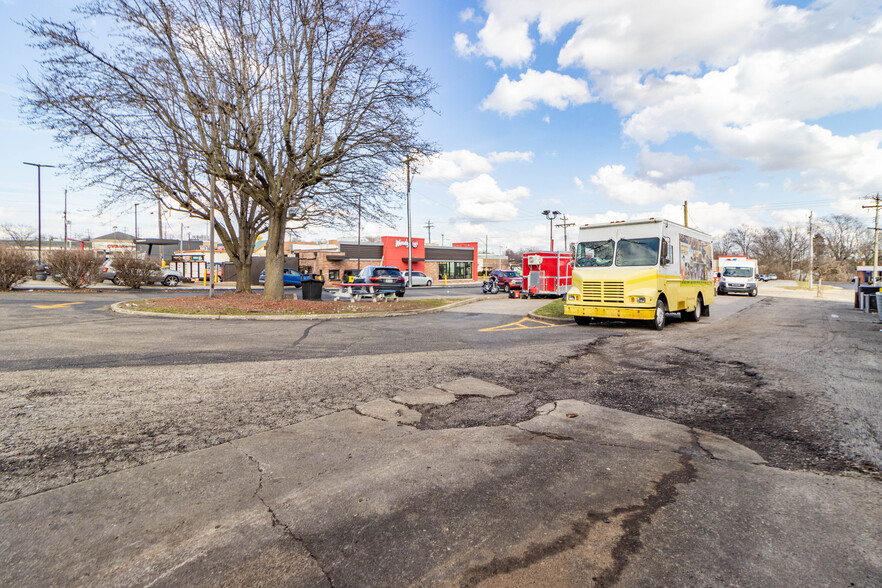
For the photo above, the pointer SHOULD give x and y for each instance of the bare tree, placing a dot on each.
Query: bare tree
(743, 238)
(768, 250)
(794, 244)
(846, 237)
(723, 245)
(289, 109)
(21, 235)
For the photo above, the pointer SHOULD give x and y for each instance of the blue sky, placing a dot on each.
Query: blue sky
(754, 112)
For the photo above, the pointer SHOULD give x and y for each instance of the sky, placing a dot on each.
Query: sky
(754, 112)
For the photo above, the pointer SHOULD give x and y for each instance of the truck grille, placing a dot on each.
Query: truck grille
(603, 292)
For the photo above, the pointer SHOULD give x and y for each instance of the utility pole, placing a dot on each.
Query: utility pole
(685, 213)
(159, 216)
(359, 232)
(65, 218)
(811, 253)
(409, 243)
(136, 221)
(429, 226)
(39, 167)
(875, 238)
(211, 253)
(565, 224)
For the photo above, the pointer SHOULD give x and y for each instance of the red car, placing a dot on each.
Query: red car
(508, 279)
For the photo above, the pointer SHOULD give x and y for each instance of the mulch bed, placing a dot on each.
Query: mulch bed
(243, 304)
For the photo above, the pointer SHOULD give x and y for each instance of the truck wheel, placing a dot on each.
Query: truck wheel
(658, 323)
(583, 320)
(693, 316)
(753, 292)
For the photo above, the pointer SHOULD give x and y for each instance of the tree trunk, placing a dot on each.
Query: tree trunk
(274, 288)
(243, 275)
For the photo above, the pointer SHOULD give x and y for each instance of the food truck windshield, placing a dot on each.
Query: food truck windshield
(627, 253)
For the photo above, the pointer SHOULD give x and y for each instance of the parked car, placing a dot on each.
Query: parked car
(290, 277)
(417, 279)
(762, 278)
(772, 277)
(165, 276)
(387, 279)
(508, 279)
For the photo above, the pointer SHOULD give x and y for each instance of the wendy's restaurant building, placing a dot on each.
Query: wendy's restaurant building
(455, 263)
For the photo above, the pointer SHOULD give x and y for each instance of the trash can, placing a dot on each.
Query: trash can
(868, 302)
(312, 286)
(879, 305)
(41, 276)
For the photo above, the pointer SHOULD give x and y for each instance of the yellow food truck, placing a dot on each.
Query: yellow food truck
(641, 270)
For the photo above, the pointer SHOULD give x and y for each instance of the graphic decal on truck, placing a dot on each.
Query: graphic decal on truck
(696, 259)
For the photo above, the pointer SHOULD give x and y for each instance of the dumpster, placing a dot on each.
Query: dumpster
(312, 286)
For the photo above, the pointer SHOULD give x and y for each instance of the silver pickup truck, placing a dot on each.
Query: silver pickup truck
(167, 277)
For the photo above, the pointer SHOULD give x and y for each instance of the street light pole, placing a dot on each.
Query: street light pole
(136, 221)
(39, 167)
(551, 215)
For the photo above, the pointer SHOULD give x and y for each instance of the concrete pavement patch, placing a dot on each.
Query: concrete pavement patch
(474, 387)
(389, 411)
(597, 424)
(427, 395)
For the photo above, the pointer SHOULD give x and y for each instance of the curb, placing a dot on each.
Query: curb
(117, 308)
(550, 319)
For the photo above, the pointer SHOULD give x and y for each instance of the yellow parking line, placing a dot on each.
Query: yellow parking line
(524, 323)
(62, 305)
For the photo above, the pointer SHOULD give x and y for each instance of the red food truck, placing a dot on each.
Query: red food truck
(547, 273)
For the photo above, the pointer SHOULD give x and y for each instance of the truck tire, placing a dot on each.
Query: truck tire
(658, 322)
(753, 292)
(583, 320)
(693, 316)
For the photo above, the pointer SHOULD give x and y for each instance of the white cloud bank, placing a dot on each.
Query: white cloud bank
(554, 89)
(751, 80)
(482, 198)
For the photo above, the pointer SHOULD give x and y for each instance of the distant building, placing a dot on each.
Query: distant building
(113, 243)
(458, 261)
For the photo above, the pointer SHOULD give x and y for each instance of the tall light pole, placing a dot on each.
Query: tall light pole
(39, 167)
(136, 221)
(409, 244)
(551, 215)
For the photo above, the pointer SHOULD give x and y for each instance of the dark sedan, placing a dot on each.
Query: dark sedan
(387, 279)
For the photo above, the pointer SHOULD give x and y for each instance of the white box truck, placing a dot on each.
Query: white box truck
(738, 274)
(641, 270)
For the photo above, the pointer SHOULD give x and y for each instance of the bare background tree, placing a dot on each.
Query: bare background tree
(21, 235)
(286, 109)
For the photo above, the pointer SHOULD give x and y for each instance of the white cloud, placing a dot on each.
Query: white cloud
(663, 167)
(617, 185)
(750, 80)
(714, 218)
(482, 198)
(468, 15)
(506, 156)
(453, 165)
(557, 90)
(579, 183)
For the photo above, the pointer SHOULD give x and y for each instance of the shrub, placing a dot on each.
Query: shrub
(75, 268)
(15, 266)
(134, 270)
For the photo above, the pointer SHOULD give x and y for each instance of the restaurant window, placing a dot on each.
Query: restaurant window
(455, 270)
(334, 275)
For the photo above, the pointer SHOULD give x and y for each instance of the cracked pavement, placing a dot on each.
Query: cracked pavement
(357, 498)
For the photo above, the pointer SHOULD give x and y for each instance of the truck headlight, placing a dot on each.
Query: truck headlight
(573, 297)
